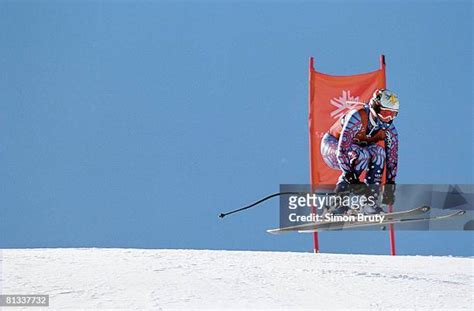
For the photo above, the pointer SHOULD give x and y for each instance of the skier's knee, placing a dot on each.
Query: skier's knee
(328, 151)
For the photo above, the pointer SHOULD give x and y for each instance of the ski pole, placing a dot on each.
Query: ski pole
(222, 215)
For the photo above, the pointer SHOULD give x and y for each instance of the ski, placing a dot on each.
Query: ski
(389, 222)
(335, 225)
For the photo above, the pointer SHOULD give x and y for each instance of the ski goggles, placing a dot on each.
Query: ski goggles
(387, 115)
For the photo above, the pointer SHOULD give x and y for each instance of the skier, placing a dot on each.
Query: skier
(351, 144)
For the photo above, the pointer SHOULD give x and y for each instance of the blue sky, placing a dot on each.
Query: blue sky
(133, 124)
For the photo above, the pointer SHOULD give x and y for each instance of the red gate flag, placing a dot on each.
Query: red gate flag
(329, 98)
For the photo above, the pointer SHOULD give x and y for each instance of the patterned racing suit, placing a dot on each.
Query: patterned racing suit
(351, 146)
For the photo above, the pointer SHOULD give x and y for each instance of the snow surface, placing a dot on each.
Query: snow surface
(184, 279)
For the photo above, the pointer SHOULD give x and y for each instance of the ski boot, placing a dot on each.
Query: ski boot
(373, 210)
(338, 210)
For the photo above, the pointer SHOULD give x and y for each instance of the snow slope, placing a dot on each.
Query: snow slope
(167, 279)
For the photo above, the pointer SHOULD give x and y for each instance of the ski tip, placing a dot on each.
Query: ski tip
(426, 208)
(274, 231)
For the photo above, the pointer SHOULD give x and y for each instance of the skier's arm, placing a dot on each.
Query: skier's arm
(352, 125)
(391, 151)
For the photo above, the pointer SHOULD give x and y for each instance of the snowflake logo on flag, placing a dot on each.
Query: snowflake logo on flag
(343, 103)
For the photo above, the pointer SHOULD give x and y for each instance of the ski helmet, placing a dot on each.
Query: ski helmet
(385, 105)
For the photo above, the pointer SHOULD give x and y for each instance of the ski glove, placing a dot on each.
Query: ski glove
(352, 178)
(349, 182)
(388, 194)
